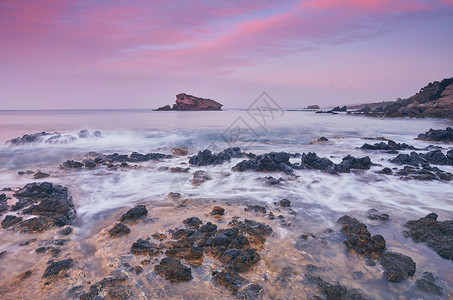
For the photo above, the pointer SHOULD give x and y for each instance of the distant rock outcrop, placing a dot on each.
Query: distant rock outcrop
(313, 107)
(433, 101)
(189, 102)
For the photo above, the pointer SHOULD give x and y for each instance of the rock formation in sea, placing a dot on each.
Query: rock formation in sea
(435, 100)
(189, 102)
(313, 107)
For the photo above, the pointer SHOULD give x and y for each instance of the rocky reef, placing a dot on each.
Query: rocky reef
(189, 102)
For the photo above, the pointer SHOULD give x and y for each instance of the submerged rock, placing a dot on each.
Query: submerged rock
(134, 214)
(231, 280)
(40, 175)
(427, 283)
(29, 138)
(56, 268)
(206, 157)
(70, 164)
(119, 230)
(269, 162)
(336, 291)
(389, 146)
(199, 177)
(218, 211)
(359, 239)
(437, 235)
(284, 203)
(439, 135)
(374, 214)
(397, 266)
(426, 173)
(144, 247)
(108, 285)
(179, 151)
(172, 270)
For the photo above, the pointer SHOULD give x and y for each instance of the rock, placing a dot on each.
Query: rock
(349, 162)
(159, 236)
(385, 171)
(427, 283)
(269, 162)
(119, 230)
(107, 285)
(255, 231)
(35, 225)
(389, 146)
(284, 203)
(397, 266)
(208, 229)
(134, 214)
(40, 175)
(335, 291)
(83, 134)
(435, 157)
(10, 221)
(231, 280)
(3, 203)
(252, 291)
(56, 268)
(199, 177)
(55, 204)
(272, 181)
(192, 222)
(189, 102)
(359, 239)
(144, 247)
(439, 135)
(344, 108)
(179, 151)
(218, 211)
(285, 275)
(164, 108)
(313, 107)
(437, 235)
(173, 271)
(66, 230)
(256, 208)
(90, 164)
(173, 196)
(425, 173)
(313, 161)
(374, 214)
(135, 157)
(179, 170)
(29, 138)
(70, 164)
(206, 157)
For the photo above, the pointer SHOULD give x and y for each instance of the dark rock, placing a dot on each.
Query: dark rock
(386, 171)
(179, 151)
(70, 164)
(10, 221)
(27, 242)
(437, 235)
(135, 157)
(269, 162)
(144, 247)
(199, 177)
(21, 203)
(173, 196)
(256, 208)
(164, 108)
(40, 175)
(389, 146)
(438, 135)
(231, 280)
(208, 229)
(397, 266)
(284, 203)
(218, 211)
(427, 283)
(189, 102)
(119, 230)
(256, 232)
(313, 161)
(359, 239)
(134, 214)
(3, 203)
(29, 138)
(426, 173)
(90, 164)
(66, 231)
(3, 253)
(273, 181)
(435, 157)
(179, 170)
(173, 271)
(285, 275)
(374, 214)
(337, 108)
(349, 162)
(35, 225)
(221, 240)
(159, 236)
(56, 268)
(206, 157)
(335, 291)
(240, 259)
(252, 291)
(193, 222)
(106, 284)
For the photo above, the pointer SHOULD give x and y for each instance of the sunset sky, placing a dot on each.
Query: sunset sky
(58, 54)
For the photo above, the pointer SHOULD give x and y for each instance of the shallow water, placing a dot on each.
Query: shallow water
(103, 194)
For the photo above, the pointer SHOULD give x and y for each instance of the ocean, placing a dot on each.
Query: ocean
(318, 199)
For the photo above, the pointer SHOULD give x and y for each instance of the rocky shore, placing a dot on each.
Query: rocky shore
(189, 102)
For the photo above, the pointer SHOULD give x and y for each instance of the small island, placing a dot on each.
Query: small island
(192, 103)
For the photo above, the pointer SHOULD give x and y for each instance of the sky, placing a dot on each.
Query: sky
(90, 54)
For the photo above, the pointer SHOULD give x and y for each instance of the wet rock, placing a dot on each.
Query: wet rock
(83, 134)
(173, 196)
(40, 175)
(28, 172)
(179, 170)
(179, 151)
(29, 138)
(284, 203)
(10, 221)
(272, 181)
(374, 214)
(206, 157)
(337, 108)
(256, 208)
(25, 275)
(192, 222)
(397, 266)
(240, 259)
(256, 232)
(138, 270)
(70, 164)
(359, 239)
(218, 211)
(3, 253)
(285, 276)
(426, 173)
(252, 291)
(385, 171)
(436, 235)
(349, 162)
(21, 203)
(336, 291)
(208, 229)
(199, 177)
(389, 146)
(159, 236)
(173, 271)
(229, 279)
(27, 242)
(90, 164)
(134, 214)
(56, 268)
(269, 162)
(435, 157)
(221, 240)
(3, 203)
(438, 135)
(144, 247)
(135, 157)
(119, 230)
(35, 225)
(427, 283)
(55, 204)
(312, 161)
(66, 231)
(103, 287)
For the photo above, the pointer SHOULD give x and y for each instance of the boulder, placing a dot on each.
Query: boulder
(439, 135)
(269, 162)
(173, 271)
(134, 214)
(397, 266)
(206, 157)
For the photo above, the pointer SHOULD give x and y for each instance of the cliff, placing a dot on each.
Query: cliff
(189, 102)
